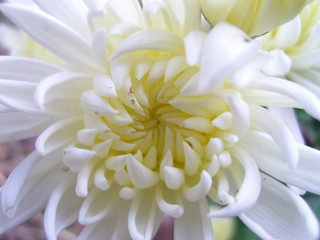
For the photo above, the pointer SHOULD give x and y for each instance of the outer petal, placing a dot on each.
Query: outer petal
(144, 216)
(281, 214)
(270, 160)
(72, 13)
(58, 135)
(194, 223)
(114, 225)
(55, 36)
(26, 69)
(62, 208)
(225, 49)
(17, 125)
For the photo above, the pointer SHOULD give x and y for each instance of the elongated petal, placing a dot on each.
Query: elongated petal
(304, 98)
(17, 125)
(249, 189)
(72, 13)
(62, 208)
(55, 36)
(58, 135)
(61, 86)
(18, 95)
(151, 39)
(114, 225)
(226, 48)
(279, 132)
(270, 160)
(194, 223)
(26, 66)
(141, 176)
(144, 216)
(280, 214)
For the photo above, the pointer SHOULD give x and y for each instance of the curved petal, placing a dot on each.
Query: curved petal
(304, 98)
(61, 86)
(62, 208)
(226, 48)
(113, 225)
(270, 160)
(58, 135)
(280, 214)
(194, 223)
(151, 39)
(249, 189)
(72, 13)
(17, 125)
(144, 216)
(10, 64)
(279, 132)
(55, 36)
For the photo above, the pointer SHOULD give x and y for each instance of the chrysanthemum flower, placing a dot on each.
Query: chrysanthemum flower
(150, 114)
(254, 17)
(300, 40)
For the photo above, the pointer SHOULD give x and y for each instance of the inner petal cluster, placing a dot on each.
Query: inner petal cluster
(153, 131)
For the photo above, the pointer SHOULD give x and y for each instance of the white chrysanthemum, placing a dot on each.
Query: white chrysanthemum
(255, 17)
(151, 114)
(300, 40)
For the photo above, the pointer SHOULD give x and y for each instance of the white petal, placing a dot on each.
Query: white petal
(104, 85)
(249, 189)
(28, 203)
(192, 160)
(17, 125)
(270, 160)
(169, 202)
(288, 34)
(241, 115)
(99, 43)
(72, 13)
(95, 105)
(281, 214)
(114, 225)
(62, 209)
(174, 177)
(279, 132)
(226, 48)
(75, 157)
(16, 180)
(61, 86)
(18, 95)
(141, 176)
(55, 36)
(93, 209)
(10, 64)
(58, 135)
(151, 39)
(200, 190)
(144, 217)
(287, 115)
(305, 99)
(193, 44)
(194, 223)
(280, 65)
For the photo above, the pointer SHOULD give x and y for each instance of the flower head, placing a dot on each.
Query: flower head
(151, 113)
(254, 17)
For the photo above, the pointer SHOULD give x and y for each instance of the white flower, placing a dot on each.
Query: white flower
(255, 17)
(151, 114)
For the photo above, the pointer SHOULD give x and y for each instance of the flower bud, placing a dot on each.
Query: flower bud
(255, 17)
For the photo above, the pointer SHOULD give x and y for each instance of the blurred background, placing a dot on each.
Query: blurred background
(12, 153)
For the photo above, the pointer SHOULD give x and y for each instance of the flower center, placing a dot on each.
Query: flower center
(149, 131)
